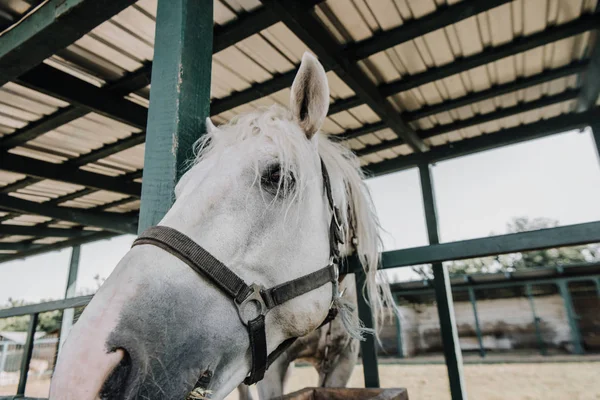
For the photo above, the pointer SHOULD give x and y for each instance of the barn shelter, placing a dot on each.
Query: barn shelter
(85, 155)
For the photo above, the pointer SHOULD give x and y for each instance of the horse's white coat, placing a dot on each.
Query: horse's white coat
(264, 238)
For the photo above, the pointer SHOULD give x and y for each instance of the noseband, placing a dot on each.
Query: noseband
(254, 299)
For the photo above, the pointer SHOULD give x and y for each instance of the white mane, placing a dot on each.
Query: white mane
(276, 125)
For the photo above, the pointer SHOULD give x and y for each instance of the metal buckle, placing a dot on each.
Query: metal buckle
(255, 300)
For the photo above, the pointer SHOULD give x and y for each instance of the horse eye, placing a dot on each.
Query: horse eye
(273, 181)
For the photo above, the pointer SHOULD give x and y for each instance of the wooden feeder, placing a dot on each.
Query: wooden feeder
(347, 394)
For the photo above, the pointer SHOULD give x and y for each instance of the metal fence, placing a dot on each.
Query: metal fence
(43, 356)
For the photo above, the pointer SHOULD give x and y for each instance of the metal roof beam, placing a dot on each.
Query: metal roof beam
(113, 222)
(38, 231)
(28, 44)
(443, 16)
(494, 140)
(81, 94)
(575, 67)
(590, 80)
(518, 45)
(64, 173)
(32, 249)
(310, 31)
(545, 101)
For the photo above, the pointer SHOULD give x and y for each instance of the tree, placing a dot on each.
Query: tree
(520, 261)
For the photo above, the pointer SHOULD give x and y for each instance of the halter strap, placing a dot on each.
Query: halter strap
(205, 264)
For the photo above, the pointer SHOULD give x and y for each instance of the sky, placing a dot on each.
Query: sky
(556, 177)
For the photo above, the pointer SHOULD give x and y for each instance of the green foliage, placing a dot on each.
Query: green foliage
(520, 261)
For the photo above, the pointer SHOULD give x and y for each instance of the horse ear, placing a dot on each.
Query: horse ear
(309, 100)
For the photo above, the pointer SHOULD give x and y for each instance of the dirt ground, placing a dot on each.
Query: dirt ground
(547, 381)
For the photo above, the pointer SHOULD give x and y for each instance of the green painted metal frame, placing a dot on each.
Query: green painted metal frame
(179, 99)
(69, 313)
(113, 222)
(473, 300)
(570, 235)
(572, 317)
(368, 346)
(27, 353)
(536, 321)
(443, 292)
(65, 21)
(399, 341)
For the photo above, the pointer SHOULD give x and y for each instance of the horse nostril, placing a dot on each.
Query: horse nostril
(116, 383)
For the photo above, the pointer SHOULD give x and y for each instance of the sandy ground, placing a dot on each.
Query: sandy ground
(548, 381)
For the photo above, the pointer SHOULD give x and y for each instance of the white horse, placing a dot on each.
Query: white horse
(254, 199)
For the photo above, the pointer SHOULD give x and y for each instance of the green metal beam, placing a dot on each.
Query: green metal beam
(545, 101)
(518, 45)
(53, 27)
(399, 341)
(45, 307)
(367, 346)
(572, 317)
(489, 286)
(575, 67)
(596, 135)
(21, 230)
(33, 249)
(473, 300)
(443, 293)
(570, 235)
(26, 356)
(82, 94)
(536, 322)
(69, 313)
(64, 173)
(597, 283)
(180, 99)
(590, 79)
(113, 222)
(504, 137)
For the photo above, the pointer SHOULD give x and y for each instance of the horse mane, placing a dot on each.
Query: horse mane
(359, 218)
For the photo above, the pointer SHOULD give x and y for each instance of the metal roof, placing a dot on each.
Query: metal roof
(446, 72)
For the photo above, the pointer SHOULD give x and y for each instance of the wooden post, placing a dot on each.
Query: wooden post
(368, 346)
(536, 321)
(27, 352)
(443, 294)
(68, 314)
(179, 99)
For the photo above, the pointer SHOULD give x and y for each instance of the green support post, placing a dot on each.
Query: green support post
(563, 288)
(536, 322)
(179, 100)
(368, 346)
(27, 352)
(597, 282)
(399, 342)
(473, 300)
(68, 314)
(443, 294)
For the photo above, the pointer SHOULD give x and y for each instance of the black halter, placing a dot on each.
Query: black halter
(254, 296)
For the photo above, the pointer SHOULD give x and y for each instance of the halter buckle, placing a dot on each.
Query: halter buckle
(254, 299)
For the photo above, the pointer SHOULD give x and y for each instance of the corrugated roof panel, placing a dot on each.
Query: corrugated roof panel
(14, 238)
(6, 178)
(127, 207)
(128, 160)
(27, 220)
(49, 240)
(38, 155)
(94, 199)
